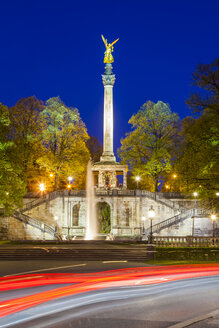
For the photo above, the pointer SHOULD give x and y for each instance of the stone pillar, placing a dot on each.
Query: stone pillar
(114, 179)
(108, 82)
(124, 179)
(100, 179)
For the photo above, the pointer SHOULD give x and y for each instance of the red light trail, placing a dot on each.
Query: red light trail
(86, 282)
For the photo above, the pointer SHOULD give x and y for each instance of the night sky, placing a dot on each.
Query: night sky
(54, 48)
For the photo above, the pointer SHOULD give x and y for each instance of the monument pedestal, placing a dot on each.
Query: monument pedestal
(106, 173)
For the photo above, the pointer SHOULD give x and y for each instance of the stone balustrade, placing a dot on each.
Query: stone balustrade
(185, 241)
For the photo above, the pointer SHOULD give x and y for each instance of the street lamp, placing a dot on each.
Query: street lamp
(143, 227)
(151, 214)
(195, 194)
(174, 176)
(167, 187)
(70, 178)
(42, 188)
(213, 218)
(137, 180)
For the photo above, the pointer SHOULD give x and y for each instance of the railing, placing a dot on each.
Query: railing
(82, 193)
(177, 218)
(167, 202)
(171, 195)
(171, 221)
(34, 223)
(43, 199)
(188, 241)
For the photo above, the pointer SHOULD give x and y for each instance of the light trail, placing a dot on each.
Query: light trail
(95, 281)
(86, 304)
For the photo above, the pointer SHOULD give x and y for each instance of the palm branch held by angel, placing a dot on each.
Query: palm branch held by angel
(108, 58)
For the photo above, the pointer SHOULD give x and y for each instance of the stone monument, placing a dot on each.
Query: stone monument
(107, 170)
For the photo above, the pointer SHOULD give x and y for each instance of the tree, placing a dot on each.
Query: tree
(206, 77)
(95, 148)
(12, 187)
(26, 132)
(64, 141)
(198, 163)
(149, 149)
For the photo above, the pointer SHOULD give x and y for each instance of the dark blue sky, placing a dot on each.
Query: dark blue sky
(54, 48)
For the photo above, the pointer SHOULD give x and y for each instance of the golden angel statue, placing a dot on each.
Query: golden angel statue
(108, 58)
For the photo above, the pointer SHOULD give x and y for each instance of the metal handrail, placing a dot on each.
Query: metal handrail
(176, 219)
(34, 222)
(171, 221)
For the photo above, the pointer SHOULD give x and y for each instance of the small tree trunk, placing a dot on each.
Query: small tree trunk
(56, 181)
(156, 185)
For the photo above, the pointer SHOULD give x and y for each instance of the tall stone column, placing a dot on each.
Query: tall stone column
(108, 82)
(124, 179)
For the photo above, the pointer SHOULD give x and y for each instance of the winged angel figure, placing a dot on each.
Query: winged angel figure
(108, 58)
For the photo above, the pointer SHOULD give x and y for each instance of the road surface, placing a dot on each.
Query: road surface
(178, 296)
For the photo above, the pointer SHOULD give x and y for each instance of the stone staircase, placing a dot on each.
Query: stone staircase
(177, 219)
(79, 251)
(34, 223)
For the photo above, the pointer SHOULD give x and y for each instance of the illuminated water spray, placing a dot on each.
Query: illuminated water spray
(91, 222)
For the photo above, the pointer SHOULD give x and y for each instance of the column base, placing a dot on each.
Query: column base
(107, 158)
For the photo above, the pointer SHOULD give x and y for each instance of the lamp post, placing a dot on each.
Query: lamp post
(137, 180)
(174, 182)
(151, 214)
(167, 187)
(70, 179)
(213, 218)
(195, 194)
(143, 227)
(42, 189)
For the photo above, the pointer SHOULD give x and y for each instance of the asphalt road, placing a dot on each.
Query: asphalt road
(8, 268)
(170, 304)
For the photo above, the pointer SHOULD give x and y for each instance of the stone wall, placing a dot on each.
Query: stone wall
(126, 213)
(13, 229)
(126, 216)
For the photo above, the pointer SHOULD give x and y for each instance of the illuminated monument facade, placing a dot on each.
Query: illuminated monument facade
(108, 169)
(66, 212)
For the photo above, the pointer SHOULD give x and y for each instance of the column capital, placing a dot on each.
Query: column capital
(108, 79)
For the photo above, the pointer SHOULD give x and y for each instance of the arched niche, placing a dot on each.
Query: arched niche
(103, 211)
